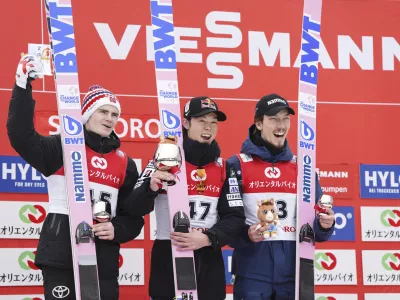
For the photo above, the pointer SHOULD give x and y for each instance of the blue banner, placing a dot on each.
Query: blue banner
(380, 181)
(17, 176)
(344, 224)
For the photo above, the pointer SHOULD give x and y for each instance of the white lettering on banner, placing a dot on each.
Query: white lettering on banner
(332, 174)
(13, 169)
(381, 179)
(135, 129)
(230, 36)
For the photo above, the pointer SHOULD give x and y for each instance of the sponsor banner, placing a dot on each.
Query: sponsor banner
(329, 296)
(337, 180)
(131, 267)
(22, 220)
(21, 297)
(386, 296)
(335, 267)
(380, 224)
(344, 224)
(381, 267)
(17, 176)
(227, 255)
(380, 181)
(139, 128)
(18, 268)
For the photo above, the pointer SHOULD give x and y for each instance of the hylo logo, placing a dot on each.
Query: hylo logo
(71, 126)
(390, 218)
(99, 162)
(26, 260)
(272, 172)
(169, 119)
(391, 261)
(325, 261)
(37, 215)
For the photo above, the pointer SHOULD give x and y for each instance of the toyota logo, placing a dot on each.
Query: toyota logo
(60, 292)
(272, 172)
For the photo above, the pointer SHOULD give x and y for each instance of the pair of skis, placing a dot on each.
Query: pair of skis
(61, 33)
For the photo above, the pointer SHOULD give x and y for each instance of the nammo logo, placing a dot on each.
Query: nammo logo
(390, 218)
(325, 261)
(391, 261)
(32, 214)
(26, 260)
(120, 261)
(326, 298)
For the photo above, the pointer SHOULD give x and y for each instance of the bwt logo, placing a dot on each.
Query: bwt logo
(390, 218)
(37, 214)
(307, 134)
(326, 298)
(272, 172)
(26, 260)
(169, 119)
(72, 128)
(306, 131)
(325, 261)
(391, 261)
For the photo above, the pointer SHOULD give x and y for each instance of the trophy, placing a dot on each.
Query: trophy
(101, 211)
(323, 203)
(168, 156)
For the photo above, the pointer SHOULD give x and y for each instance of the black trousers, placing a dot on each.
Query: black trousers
(59, 284)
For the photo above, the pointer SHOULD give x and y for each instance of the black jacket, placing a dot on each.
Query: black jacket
(210, 272)
(44, 153)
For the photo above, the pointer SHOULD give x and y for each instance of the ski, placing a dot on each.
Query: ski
(171, 125)
(306, 149)
(62, 41)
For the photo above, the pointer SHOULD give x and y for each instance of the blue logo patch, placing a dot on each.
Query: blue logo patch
(71, 126)
(17, 176)
(344, 224)
(169, 119)
(380, 181)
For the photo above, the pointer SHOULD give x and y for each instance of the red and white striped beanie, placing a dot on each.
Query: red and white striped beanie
(97, 96)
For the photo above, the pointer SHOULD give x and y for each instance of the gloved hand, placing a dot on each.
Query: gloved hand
(29, 68)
